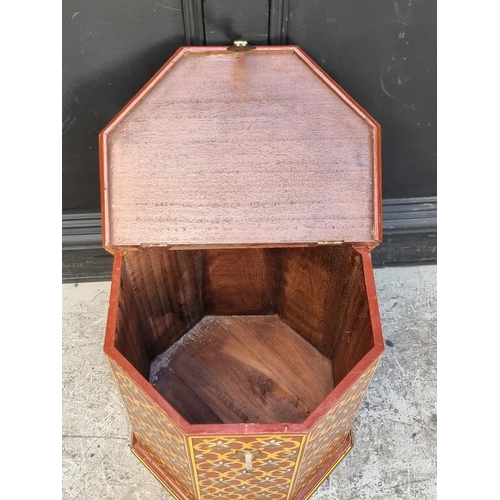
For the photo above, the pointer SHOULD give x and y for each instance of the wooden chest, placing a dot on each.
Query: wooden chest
(241, 199)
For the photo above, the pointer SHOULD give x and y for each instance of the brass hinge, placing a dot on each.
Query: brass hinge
(150, 245)
(241, 46)
(330, 242)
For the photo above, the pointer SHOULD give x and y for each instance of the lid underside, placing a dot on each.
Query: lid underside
(230, 148)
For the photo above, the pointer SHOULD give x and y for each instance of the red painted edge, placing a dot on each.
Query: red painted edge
(114, 297)
(214, 246)
(377, 185)
(245, 429)
(103, 175)
(371, 292)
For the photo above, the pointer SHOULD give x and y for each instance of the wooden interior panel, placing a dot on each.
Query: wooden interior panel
(354, 338)
(230, 148)
(241, 375)
(315, 287)
(168, 287)
(129, 336)
(242, 281)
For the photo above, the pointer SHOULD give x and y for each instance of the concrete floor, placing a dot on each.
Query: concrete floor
(394, 455)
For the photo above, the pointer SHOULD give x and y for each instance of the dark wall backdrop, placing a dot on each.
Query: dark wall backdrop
(110, 50)
(382, 52)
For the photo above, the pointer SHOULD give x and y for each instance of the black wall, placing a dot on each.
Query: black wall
(110, 50)
(383, 53)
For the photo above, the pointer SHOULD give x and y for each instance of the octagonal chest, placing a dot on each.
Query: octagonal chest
(241, 199)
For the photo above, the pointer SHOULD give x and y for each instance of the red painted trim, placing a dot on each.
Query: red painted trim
(371, 292)
(377, 185)
(237, 245)
(259, 48)
(114, 297)
(103, 175)
(245, 429)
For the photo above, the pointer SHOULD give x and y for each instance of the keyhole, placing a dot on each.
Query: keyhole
(248, 462)
(248, 456)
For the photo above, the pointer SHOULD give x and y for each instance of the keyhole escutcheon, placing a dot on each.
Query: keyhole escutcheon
(248, 456)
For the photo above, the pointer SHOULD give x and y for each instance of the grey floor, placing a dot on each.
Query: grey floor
(394, 455)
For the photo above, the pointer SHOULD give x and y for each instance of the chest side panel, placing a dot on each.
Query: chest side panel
(221, 471)
(156, 433)
(331, 430)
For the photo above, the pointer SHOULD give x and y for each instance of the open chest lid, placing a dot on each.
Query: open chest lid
(251, 148)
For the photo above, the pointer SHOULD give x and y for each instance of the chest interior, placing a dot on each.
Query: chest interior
(251, 335)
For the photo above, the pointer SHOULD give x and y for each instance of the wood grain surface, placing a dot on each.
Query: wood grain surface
(315, 287)
(130, 337)
(242, 281)
(246, 369)
(353, 335)
(168, 288)
(240, 148)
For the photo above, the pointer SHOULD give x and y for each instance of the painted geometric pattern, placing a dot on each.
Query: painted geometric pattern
(328, 434)
(156, 433)
(221, 472)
